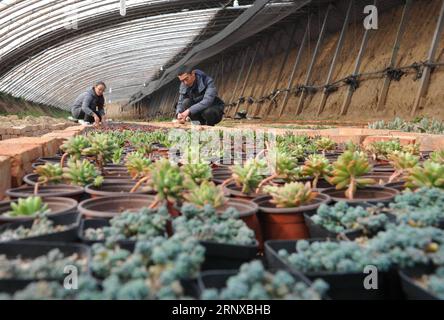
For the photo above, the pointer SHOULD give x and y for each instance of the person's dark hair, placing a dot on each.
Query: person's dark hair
(98, 83)
(184, 69)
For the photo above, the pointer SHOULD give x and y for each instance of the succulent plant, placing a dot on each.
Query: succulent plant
(317, 166)
(291, 195)
(347, 171)
(138, 165)
(30, 206)
(325, 144)
(413, 148)
(82, 173)
(74, 148)
(437, 156)
(249, 176)
(167, 180)
(381, 149)
(429, 174)
(351, 146)
(197, 173)
(402, 162)
(102, 149)
(48, 173)
(207, 193)
(117, 155)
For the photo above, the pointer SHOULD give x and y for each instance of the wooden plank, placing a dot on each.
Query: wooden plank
(339, 46)
(425, 80)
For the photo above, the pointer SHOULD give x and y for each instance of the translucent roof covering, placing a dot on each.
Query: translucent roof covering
(52, 50)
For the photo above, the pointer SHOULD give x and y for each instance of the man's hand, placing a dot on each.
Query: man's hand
(183, 115)
(96, 119)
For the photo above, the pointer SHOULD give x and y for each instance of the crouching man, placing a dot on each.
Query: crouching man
(198, 98)
(89, 106)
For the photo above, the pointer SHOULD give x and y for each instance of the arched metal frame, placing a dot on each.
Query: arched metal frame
(124, 53)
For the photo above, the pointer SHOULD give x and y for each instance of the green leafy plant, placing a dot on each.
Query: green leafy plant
(48, 173)
(291, 195)
(429, 174)
(138, 165)
(101, 150)
(380, 150)
(74, 148)
(413, 148)
(348, 170)
(325, 144)
(437, 156)
(197, 173)
(317, 166)
(30, 206)
(167, 180)
(207, 193)
(249, 176)
(402, 162)
(117, 155)
(82, 173)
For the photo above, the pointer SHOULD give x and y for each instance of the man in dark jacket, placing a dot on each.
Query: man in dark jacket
(89, 106)
(198, 98)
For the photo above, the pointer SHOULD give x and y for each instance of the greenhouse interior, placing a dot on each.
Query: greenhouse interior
(221, 150)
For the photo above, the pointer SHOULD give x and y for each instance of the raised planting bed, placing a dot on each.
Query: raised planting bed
(372, 195)
(57, 206)
(108, 207)
(59, 190)
(343, 285)
(28, 261)
(286, 223)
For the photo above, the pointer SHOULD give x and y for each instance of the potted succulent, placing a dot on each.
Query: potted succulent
(197, 173)
(430, 174)
(74, 148)
(281, 213)
(207, 193)
(245, 179)
(349, 174)
(82, 173)
(48, 173)
(403, 162)
(101, 149)
(325, 144)
(380, 150)
(437, 156)
(317, 166)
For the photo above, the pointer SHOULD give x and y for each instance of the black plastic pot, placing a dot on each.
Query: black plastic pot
(56, 190)
(114, 188)
(372, 195)
(108, 207)
(68, 235)
(235, 191)
(31, 179)
(399, 185)
(52, 160)
(32, 250)
(343, 286)
(227, 256)
(384, 167)
(412, 289)
(58, 206)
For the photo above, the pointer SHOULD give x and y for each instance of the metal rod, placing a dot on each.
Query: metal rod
(339, 46)
(270, 68)
(241, 71)
(358, 62)
(313, 60)
(387, 80)
(284, 63)
(425, 80)
(259, 71)
(247, 78)
(295, 67)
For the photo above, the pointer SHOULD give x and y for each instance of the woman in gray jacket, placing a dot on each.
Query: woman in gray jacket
(89, 106)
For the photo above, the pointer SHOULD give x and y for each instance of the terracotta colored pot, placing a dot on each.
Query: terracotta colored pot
(109, 207)
(55, 190)
(115, 188)
(58, 206)
(286, 223)
(368, 194)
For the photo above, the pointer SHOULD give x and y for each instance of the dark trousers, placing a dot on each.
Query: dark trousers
(83, 116)
(209, 117)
